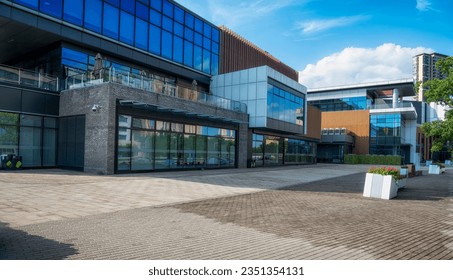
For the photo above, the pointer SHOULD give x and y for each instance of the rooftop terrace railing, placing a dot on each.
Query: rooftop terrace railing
(151, 85)
(17, 76)
(403, 104)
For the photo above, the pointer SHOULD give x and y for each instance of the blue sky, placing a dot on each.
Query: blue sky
(304, 33)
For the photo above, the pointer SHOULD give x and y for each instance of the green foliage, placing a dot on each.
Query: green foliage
(372, 159)
(392, 171)
(441, 92)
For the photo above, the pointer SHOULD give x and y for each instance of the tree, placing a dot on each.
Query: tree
(440, 91)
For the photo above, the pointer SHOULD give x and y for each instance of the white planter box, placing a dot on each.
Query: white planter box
(435, 169)
(380, 186)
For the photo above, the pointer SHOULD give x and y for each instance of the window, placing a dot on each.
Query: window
(127, 28)
(154, 39)
(168, 9)
(156, 4)
(93, 10)
(189, 20)
(179, 14)
(110, 26)
(167, 24)
(29, 3)
(198, 58)
(155, 17)
(177, 49)
(167, 44)
(141, 34)
(142, 11)
(51, 7)
(73, 11)
(198, 25)
(188, 54)
(128, 6)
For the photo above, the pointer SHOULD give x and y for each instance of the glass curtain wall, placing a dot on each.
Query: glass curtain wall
(285, 106)
(31, 137)
(146, 145)
(270, 150)
(385, 134)
(342, 104)
(156, 26)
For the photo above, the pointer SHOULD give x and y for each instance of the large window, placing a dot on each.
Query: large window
(271, 150)
(342, 104)
(31, 137)
(385, 134)
(145, 144)
(285, 106)
(157, 26)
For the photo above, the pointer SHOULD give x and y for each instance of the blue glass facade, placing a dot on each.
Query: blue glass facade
(385, 134)
(342, 104)
(159, 27)
(284, 106)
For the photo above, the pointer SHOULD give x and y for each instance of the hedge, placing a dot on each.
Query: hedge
(372, 159)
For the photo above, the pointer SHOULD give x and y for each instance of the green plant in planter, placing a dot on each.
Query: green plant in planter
(386, 171)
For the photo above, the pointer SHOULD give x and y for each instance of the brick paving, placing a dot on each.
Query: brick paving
(314, 219)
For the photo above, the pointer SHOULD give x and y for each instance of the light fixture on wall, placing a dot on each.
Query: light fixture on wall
(96, 108)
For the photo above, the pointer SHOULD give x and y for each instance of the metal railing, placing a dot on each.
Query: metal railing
(151, 85)
(403, 104)
(14, 75)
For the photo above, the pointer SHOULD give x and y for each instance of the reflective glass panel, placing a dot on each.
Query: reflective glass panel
(127, 28)
(177, 49)
(198, 39)
(178, 29)
(49, 147)
(198, 58)
(207, 30)
(110, 26)
(167, 44)
(189, 20)
(167, 24)
(161, 151)
(188, 53)
(156, 4)
(188, 34)
(141, 34)
(198, 25)
(142, 11)
(29, 3)
(51, 7)
(200, 150)
(215, 65)
(168, 8)
(213, 152)
(154, 39)
(142, 150)
(215, 35)
(179, 14)
(206, 61)
(113, 2)
(93, 10)
(30, 146)
(73, 11)
(155, 17)
(128, 6)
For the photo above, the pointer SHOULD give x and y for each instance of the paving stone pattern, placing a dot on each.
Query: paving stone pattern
(314, 219)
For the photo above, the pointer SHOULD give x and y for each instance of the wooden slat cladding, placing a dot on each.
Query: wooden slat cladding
(238, 54)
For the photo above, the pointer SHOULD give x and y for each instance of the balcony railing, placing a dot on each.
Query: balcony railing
(14, 75)
(151, 85)
(403, 104)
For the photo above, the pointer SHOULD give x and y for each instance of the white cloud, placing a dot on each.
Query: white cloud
(314, 26)
(360, 65)
(423, 5)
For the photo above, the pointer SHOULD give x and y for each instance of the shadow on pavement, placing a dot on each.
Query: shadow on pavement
(19, 245)
(423, 188)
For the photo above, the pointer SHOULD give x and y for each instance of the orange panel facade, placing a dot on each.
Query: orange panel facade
(313, 122)
(357, 122)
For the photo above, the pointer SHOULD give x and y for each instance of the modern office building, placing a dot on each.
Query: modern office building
(112, 86)
(367, 119)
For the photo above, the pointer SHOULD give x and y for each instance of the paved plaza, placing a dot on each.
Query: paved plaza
(301, 212)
